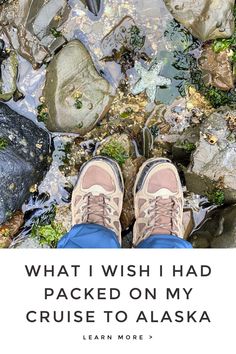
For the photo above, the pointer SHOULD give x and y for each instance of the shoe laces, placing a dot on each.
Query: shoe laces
(96, 209)
(161, 209)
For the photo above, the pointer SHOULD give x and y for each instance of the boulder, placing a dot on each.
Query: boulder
(213, 163)
(203, 18)
(76, 95)
(32, 27)
(218, 230)
(24, 150)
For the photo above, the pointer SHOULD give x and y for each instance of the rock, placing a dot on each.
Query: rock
(216, 69)
(8, 79)
(30, 243)
(76, 95)
(197, 103)
(64, 216)
(32, 27)
(24, 150)
(214, 160)
(203, 18)
(10, 229)
(218, 230)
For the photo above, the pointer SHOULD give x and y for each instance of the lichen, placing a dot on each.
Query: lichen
(116, 151)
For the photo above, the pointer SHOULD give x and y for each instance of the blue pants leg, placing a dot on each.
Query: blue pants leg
(89, 236)
(97, 236)
(164, 241)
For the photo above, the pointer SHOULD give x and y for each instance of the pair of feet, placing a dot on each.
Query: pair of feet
(158, 198)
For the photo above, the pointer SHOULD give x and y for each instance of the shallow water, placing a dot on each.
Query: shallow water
(162, 39)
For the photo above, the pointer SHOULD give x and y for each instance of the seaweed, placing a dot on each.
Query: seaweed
(42, 113)
(222, 44)
(78, 103)
(55, 32)
(3, 143)
(217, 197)
(116, 151)
(48, 234)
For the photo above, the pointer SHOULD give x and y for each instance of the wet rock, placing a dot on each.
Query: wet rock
(217, 231)
(203, 18)
(216, 69)
(214, 160)
(76, 95)
(64, 216)
(198, 104)
(32, 27)
(10, 229)
(23, 159)
(8, 77)
(30, 243)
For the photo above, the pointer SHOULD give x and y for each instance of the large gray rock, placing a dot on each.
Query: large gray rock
(205, 19)
(24, 150)
(76, 95)
(217, 231)
(214, 160)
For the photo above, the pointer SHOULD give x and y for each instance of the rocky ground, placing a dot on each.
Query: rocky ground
(125, 79)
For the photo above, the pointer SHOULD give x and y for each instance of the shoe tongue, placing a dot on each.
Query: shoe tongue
(164, 193)
(97, 190)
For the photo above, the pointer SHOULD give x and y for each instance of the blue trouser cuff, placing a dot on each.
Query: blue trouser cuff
(98, 236)
(89, 236)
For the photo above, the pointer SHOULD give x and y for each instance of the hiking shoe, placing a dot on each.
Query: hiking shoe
(98, 195)
(158, 200)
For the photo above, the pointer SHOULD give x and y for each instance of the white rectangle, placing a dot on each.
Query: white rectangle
(142, 297)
